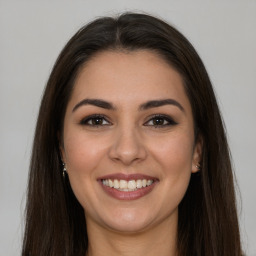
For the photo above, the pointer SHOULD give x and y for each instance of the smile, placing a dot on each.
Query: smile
(130, 185)
(127, 186)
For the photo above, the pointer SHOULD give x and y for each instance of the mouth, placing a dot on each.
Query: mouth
(128, 187)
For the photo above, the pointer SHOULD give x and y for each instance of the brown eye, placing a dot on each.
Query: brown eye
(95, 120)
(160, 121)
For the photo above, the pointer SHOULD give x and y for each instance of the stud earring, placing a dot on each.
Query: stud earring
(198, 167)
(64, 170)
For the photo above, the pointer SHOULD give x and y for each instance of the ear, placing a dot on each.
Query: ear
(61, 148)
(197, 155)
(62, 153)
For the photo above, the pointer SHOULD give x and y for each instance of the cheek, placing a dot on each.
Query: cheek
(174, 158)
(174, 153)
(82, 153)
(82, 159)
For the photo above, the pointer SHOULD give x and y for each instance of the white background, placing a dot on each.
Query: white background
(32, 33)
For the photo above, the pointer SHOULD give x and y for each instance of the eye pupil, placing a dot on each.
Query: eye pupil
(158, 121)
(97, 121)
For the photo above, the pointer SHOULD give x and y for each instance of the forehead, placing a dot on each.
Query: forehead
(128, 77)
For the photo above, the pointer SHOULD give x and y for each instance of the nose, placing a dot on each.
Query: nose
(127, 147)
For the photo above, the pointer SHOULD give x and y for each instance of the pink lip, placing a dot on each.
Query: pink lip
(128, 195)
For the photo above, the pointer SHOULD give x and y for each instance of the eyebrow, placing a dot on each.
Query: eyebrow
(95, 102)
(147, 105)
(159, 103)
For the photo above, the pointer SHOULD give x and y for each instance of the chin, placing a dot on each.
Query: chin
(128, 221)
(128, 227)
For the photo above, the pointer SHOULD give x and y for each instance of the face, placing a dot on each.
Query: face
(128, 141)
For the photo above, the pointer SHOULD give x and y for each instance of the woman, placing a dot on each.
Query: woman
(130, 155)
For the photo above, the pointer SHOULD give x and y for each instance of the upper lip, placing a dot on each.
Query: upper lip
(127, 177)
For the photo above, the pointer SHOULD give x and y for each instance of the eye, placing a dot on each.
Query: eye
(95, 120)
(160, 121)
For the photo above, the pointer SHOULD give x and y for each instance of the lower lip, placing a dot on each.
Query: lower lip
(128, 195)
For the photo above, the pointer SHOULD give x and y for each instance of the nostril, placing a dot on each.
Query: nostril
(127, 149)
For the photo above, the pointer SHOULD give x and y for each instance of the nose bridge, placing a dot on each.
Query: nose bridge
(127, 144)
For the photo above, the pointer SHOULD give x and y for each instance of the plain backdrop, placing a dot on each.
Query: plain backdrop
(32, 33)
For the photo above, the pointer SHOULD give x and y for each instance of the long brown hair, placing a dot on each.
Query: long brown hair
(55, 222)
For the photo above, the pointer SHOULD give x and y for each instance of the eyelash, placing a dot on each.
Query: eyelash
(86, 120)
(167, 121)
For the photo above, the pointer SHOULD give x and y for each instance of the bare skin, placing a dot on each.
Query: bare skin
(158, 241)
(129, 117)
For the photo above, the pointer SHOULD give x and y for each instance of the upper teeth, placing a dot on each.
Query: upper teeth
(129, 185)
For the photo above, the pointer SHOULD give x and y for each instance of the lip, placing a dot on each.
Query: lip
(128, 195)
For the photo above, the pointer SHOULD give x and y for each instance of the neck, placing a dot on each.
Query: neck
(159, 240)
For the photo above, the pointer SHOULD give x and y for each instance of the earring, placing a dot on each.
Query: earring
(64, 170)
(198, 167)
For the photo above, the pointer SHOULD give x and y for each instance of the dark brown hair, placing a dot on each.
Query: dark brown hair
(55, 222)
